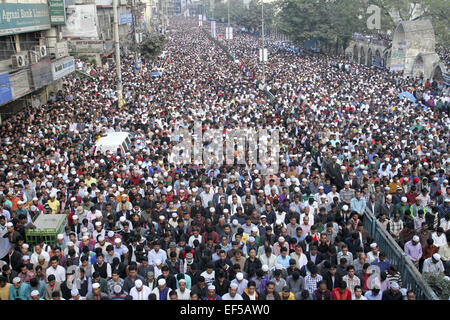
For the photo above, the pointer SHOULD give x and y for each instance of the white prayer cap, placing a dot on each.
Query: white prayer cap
(9, 224)
(235, 222)
(404, 199)
(118, 288)
(158, 262)
(373, 245)
(161, 217)
(85, 238)
(255, 229)
(389, 196)
(110, 233)
(416, 238)
(16, 280)
(125, 250)
(74, 217)
(239, 276)
(98, 223)
(74, 292)
(161, 282)
(347, 182)
(138, 283)
(122, 219)
(101, 238)
(212, 209)
(34, 293)
(25, 245)
(265, 268)
(70, 243)
(169, 188)
(297, 189)
(211, 287)
(60, 236)
(251, 239)
(225, 210)
(174, 215)
(234, 285)
(98, 214)
(95, 285)
(395, 286)
(117, 240)
(345, 207)
(26, 258)
(281, 239)
(436, 256)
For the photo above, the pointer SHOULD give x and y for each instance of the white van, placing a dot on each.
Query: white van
(113, 141)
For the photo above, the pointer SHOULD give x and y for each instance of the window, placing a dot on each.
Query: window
(7, 47)
(29, 40)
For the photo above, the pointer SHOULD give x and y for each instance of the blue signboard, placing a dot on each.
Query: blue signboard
(125, 18)
(5, 88)
(378, 62)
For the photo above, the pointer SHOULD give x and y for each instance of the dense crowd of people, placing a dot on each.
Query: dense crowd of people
(141, 225)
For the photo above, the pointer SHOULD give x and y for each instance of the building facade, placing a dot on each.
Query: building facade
(33, 56)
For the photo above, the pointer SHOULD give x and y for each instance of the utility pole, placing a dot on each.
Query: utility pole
(117, 47)
(228, 2)
(262, 43)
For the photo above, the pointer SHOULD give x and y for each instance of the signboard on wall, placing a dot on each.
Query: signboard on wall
(20, 84)
(63, 67)
(125, 18)
(57, 12)
(82, 22)
(42, 73)
(5, 88)
(23, 17)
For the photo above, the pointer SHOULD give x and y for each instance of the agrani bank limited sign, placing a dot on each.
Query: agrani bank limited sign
(23, 17)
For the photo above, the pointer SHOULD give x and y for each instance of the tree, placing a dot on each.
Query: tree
(438, 11)
(327, 21)
(151, 45)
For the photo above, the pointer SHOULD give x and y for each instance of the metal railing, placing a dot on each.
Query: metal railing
(411, 278)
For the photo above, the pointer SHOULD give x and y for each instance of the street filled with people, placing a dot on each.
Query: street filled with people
(143, 225)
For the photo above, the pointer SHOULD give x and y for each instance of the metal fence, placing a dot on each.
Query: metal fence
(411, 278)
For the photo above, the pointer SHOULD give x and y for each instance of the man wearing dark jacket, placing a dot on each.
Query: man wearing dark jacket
(331, 278)
(270, 293)
(393, 293)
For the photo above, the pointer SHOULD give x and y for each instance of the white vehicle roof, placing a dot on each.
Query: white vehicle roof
(113, 139)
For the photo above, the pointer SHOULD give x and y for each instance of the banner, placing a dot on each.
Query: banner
(42, 73)
(261, 58)
(398, 56)
(213, 29)
(378, 62)
(23, 17)
(103, 2)
(446, 78)
(125, 18)
(82, 22)
(57, 12)
(20, 84)
(63, 67)
(5, 88)
(229, 33)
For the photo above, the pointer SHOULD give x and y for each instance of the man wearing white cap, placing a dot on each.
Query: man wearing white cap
(433, 265)
(96, 293)
(183, 293)
(413, 250)
(35, 295)
(393, 293)
(162, 290)
(19, 290)
(240, 282)
(374, 253)
(232, 293)
(118, 246)
(76, 294)
(140, 291)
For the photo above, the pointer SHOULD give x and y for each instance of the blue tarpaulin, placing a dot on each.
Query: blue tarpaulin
(408, 96)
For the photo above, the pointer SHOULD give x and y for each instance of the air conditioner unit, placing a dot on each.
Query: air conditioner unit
(42, 50)
(19, 60)
(34, 56)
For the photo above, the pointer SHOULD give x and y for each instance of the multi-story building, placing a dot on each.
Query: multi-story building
(33, 57)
